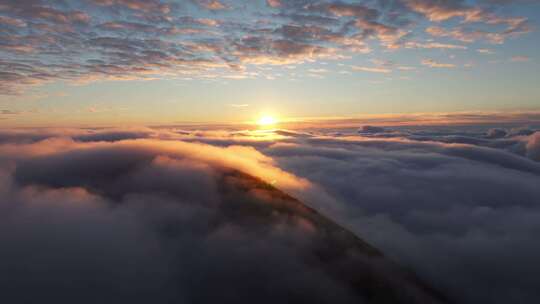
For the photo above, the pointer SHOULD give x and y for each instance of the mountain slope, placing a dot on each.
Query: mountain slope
(114, 225)
(338, 252)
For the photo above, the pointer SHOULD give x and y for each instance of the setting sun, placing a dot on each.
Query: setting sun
(267, 121)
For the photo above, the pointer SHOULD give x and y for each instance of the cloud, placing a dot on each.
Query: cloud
(519, 59)
(165, 220)
(496, 133)
(12, 21)
(485, 51)
(117, 40)
(520, 131)
(434, 64)
(274, 3)
(516, 27)
(533, 146)
(243, 105)
(443, 208)
(441, 11)
(149, 6)
(372, 129)
(9, 112)
(211, 4)
(435, 45)
(371, 69)
(456, 203)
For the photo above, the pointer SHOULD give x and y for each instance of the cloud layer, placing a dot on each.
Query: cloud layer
(92, 40)
(97, 216)
(459, 205)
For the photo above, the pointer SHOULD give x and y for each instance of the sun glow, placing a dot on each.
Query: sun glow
(267, 121)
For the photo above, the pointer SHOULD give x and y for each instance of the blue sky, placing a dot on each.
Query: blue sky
(134, 61)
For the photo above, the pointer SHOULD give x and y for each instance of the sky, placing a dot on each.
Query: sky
(125, 62)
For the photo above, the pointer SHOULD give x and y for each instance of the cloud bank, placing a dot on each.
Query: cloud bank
(465, 215)
(96, 216)
(458, 205)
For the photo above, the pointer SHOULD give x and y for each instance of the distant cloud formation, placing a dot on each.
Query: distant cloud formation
(519, 59)
(457, 204)
(371, 129)
(8, 112)
(435, 45)
(96, 216)
(496, 133)
(434, 64)
(533, 147)
(485, 51)
(94, 40)
(458, 210)
(371, 69)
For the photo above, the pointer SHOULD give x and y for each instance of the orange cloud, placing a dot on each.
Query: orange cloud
(434, 64)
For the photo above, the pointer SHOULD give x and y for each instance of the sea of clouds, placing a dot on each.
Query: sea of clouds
(458, 205)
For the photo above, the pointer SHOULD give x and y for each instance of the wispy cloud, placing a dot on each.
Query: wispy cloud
(485, 51)
(435, 45)
(519, 59)
(434, 64)
(9, 112)
(371, 69)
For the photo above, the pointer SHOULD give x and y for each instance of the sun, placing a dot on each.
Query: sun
(267, 120)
